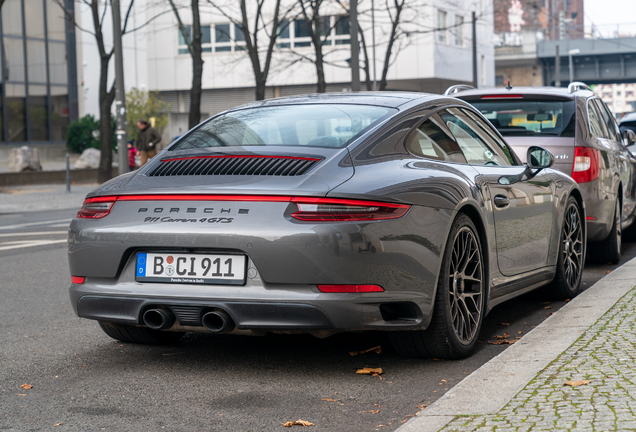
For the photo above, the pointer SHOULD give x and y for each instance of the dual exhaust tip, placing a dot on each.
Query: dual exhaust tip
(215, 321)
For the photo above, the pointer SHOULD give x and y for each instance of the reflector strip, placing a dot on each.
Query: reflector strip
(241, 156)
(263, 198)
(78, 279)
(349, 288)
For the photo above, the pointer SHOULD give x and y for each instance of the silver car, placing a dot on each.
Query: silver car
(401, 212)
(580, 131)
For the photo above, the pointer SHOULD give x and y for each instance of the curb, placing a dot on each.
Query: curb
(494, 384)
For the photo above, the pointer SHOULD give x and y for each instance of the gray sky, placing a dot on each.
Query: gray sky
(610, 15)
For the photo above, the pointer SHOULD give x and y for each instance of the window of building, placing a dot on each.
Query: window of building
(334, 30)
(441, 26)
(227, 38)
(459, 30)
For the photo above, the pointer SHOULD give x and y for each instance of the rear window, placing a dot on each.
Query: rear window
(530, 117)
(324, 125)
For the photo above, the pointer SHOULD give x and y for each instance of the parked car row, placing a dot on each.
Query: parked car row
(402, 212)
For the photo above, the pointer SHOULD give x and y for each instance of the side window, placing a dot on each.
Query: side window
(473, 140)
(596, 123)
(491, 136)
(430, 141)
(610, 122)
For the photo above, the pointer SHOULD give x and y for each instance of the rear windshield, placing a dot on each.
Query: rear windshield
(324, 125)
(530, 117)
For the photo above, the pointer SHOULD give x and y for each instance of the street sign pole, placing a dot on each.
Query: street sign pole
(120, 93)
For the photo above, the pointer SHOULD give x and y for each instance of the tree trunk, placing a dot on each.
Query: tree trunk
(260, 89)
(197, 68)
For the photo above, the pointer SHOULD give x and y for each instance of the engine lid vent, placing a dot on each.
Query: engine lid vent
(234, 165)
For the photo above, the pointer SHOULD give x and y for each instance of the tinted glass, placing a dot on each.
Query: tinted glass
(473, 140)
(608, 119)
(597, 127)
(530, 117)
(431, 141)
(301, 29)
(298, 125)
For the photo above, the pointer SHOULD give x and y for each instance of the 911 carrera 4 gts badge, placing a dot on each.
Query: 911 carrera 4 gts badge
(202, 220)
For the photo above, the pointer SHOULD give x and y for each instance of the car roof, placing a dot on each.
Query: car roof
(531, 91)
(385, 99)
(628, 117)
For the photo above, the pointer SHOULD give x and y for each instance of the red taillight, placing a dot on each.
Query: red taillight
(587, 164)
(349, 288)
(78, 279)
(592, 218)
(503, 96)
(96, 208)
(328, 209)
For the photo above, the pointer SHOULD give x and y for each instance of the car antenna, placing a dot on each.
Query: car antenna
(508, 87)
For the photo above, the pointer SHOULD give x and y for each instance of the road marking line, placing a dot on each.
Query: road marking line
(26, 244)
(34, 233)
(7, 227)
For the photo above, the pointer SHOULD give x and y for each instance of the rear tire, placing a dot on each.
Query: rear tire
(139, 335)
(609, 250)
(571, 259)
(459, 302)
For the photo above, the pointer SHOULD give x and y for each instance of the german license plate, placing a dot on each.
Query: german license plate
(191, 268)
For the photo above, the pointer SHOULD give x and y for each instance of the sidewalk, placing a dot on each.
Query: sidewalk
(42, 197)
(590, 343)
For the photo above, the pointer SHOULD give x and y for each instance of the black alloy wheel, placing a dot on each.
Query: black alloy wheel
(571, 259)
(459, 302)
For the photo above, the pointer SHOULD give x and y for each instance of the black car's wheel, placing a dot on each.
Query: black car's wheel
(609, 250)
(459, 302)
(571, 253)
(140, 335)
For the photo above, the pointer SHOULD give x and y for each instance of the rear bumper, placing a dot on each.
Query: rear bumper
(256, 305)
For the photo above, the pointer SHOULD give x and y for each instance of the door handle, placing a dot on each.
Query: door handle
(501, 201)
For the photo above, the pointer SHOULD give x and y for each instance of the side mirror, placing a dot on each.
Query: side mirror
(539, 158)
(629, 137)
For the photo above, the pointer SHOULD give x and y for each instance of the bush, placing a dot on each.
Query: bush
(84, 133)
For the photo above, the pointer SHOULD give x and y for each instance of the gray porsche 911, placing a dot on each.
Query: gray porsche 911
(400, 212)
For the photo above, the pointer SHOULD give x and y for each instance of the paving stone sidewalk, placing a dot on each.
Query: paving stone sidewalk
(605, 355)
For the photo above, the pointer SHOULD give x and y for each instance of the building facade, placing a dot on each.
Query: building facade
(34, 104)
(434, 51)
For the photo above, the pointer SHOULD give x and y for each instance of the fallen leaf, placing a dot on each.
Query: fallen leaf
(20, 394)
(58, 424)
(567, 300)
(372, 411)
(298, 423)
(546, 302)
(577, 383)
(504, 324)
(404, 421)
(331, 400)
(444, 381)
(379, 426)
(26, 386)
(548, 307)
(505, 336)
(422, 406)
(608, 272)
(376, 350)
(377, 405)
(519, 332)
(502, 342)
(370, 371)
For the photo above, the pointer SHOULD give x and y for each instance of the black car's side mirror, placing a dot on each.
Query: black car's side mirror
(539, 158)
(629, 137)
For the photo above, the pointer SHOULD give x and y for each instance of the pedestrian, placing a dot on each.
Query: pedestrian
(131, 154)
(147, 140)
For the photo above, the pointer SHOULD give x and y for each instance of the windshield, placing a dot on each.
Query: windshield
(320, 125)
(530, 117)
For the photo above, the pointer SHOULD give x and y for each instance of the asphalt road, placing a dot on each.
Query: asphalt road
(83, 380)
